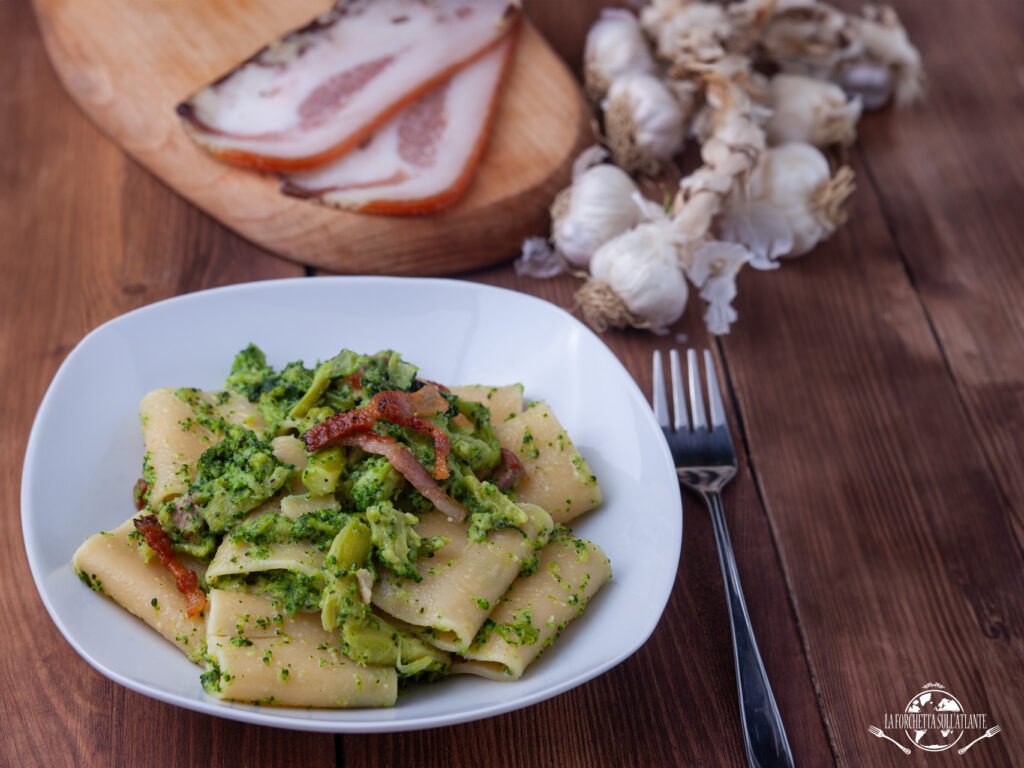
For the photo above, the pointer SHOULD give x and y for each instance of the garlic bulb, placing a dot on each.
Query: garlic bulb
(598, 206)
(869, 55)
(808, 110)
(871, 83)
(687, 33)
(636, 280)
(885, 42)
(615, 45)
(794, 179)
(643, 122)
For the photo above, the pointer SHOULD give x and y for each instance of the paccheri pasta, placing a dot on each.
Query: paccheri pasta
(320, 537)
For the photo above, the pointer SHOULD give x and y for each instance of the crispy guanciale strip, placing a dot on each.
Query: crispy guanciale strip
(403, 461)
(402, 408)
(140, 494)
(508, 471)
(317, 93)
(186, 581)
(423, 160)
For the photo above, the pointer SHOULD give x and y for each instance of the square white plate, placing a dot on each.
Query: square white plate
(85, 453)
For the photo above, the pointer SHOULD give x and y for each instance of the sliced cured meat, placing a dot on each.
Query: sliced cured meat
(318, 92)
(398, 407)
(403, 461)
(423, 159)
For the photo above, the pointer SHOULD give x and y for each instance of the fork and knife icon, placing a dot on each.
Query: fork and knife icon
(876, 731)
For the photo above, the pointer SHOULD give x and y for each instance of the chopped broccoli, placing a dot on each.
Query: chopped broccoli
(280, 393)
(375, 641)
(319, 527)
(235, 476)
(489, 509)
(396, 542)
(248, 372)
(348, 553)
(270, 528)
(294, 591)
(384, 371)
(187, 529)
(481, 449)
(375, 480)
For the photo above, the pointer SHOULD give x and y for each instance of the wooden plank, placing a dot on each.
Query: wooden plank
(127, 66)
(895, 539)
(950, 175)
(86, 235)
(674, 701)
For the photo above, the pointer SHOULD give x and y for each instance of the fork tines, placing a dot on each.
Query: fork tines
(697, 417)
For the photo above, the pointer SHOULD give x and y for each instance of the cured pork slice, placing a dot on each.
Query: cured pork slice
(423, 159)
(319, 91)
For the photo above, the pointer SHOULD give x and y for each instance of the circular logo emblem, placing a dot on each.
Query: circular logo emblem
(937, 703)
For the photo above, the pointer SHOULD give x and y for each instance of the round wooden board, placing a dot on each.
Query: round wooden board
(129, 64)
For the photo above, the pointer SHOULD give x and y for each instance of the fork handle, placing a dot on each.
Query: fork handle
(763, 733)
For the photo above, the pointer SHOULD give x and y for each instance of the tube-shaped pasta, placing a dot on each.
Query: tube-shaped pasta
(175, 440)
(536, 608)
(109, 562)
(462, 580)
(263, 656)
(556, 477)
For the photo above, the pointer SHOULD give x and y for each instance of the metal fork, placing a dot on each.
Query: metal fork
(705, 461)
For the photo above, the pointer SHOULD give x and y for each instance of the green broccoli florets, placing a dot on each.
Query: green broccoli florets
(248, 372)
(394, 538)
(375, 481)
(235, 476)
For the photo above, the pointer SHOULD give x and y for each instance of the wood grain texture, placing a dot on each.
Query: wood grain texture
(892, 530)
(875, 387)
(86, 235)
(949, 175)
(128, 65)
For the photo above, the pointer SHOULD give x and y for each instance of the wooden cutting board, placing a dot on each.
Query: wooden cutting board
(128, 64)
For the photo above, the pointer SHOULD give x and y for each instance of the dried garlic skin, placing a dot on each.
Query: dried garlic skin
(805, 109)
(615, 46)
(644, 123)
(597, 207)
(713, 270)
(641, 266)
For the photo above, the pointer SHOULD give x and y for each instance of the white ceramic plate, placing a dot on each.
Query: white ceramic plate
(84, 455)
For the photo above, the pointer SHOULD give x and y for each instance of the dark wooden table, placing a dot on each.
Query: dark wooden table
(876, 389)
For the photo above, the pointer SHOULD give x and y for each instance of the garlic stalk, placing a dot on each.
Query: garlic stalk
(615, 46)
(808, 110)
(636, 280)
(699, 74)
(729, 153)
(644, 124)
